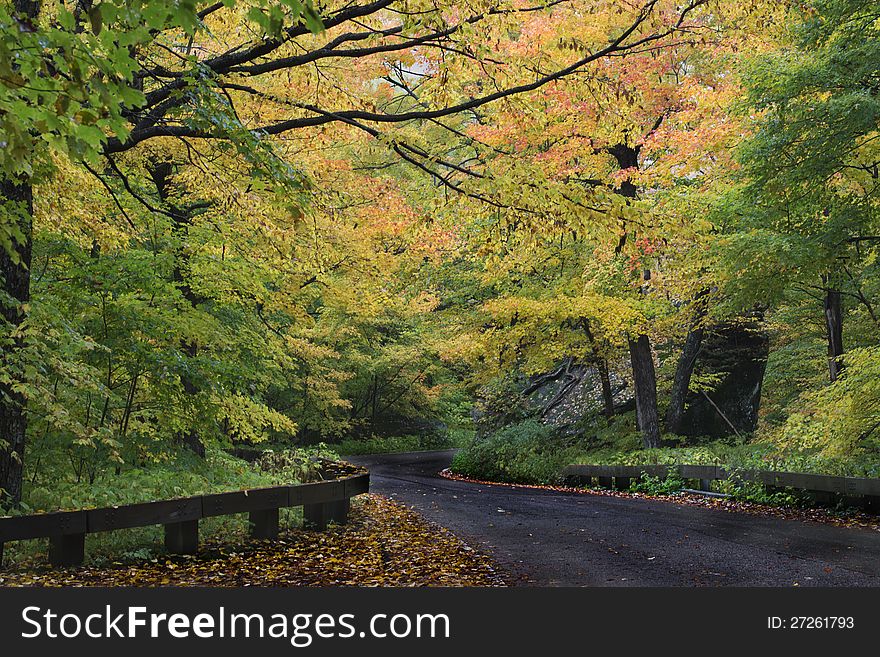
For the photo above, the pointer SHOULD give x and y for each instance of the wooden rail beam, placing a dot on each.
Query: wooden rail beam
(323, 502)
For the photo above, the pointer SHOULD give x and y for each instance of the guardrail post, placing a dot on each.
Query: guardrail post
(854, 501)
(822, 497)
(318, 516)
(67, 549)
(315, 516)
(605, 482)
(264, 523)
(182, 537)
(338, 511)
(706, 484)
(622, 483)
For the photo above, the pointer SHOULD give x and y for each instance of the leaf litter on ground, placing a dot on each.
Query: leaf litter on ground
(383, 544)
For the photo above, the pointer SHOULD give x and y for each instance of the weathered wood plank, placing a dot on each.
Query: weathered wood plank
(142, 515)
(314, 493)
(698, 471)
(356, 484)
(254, 499)
(41, 525)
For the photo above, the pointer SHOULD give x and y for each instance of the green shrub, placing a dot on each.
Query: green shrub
(411, 443)
(650, 485)
(528, 452)
(732, 455)
(753, 491)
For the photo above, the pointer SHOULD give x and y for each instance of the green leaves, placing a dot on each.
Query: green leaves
(70, 82)
(14, 222)
(271, 17)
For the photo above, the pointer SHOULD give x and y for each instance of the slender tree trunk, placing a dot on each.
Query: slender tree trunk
(605, 380)
(191, 438)
(834, 329)
(374, 402)
(17, 197)
(645, 384)
(681, 381)
(684, 369)
(602, 367)
(161, 174)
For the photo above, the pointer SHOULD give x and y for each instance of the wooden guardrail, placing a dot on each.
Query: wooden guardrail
(322, 501)
(822, 487)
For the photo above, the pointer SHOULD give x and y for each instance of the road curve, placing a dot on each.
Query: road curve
(549, 538)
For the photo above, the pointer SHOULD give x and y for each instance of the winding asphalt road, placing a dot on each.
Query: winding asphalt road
(548, 538)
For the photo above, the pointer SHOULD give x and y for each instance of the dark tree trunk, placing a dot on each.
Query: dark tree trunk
(190, 438)
(15, 263)
(684, 369)
(834, 330)
(15, 270)
(682, 380)
(645, 385)
(735, 352)
(602, 368)
(644, 376)
(161, 174)
(605, 380)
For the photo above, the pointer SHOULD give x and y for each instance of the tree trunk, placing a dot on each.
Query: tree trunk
(682, 380)
(161, 173)
(607, 394)
(645, 384)
(602, 367)
(834, 329)
(15, 270)
(684, 369)
(644, 377)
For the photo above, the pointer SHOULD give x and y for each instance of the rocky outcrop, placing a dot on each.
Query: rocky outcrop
(562, 397)
(736, 354)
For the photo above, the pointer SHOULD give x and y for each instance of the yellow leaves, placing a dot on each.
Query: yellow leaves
(424, 302)
(72, 202)
(462, 346)
(250, 420)
(538, 332)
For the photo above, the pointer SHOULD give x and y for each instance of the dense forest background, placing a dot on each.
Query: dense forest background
(545, 231)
